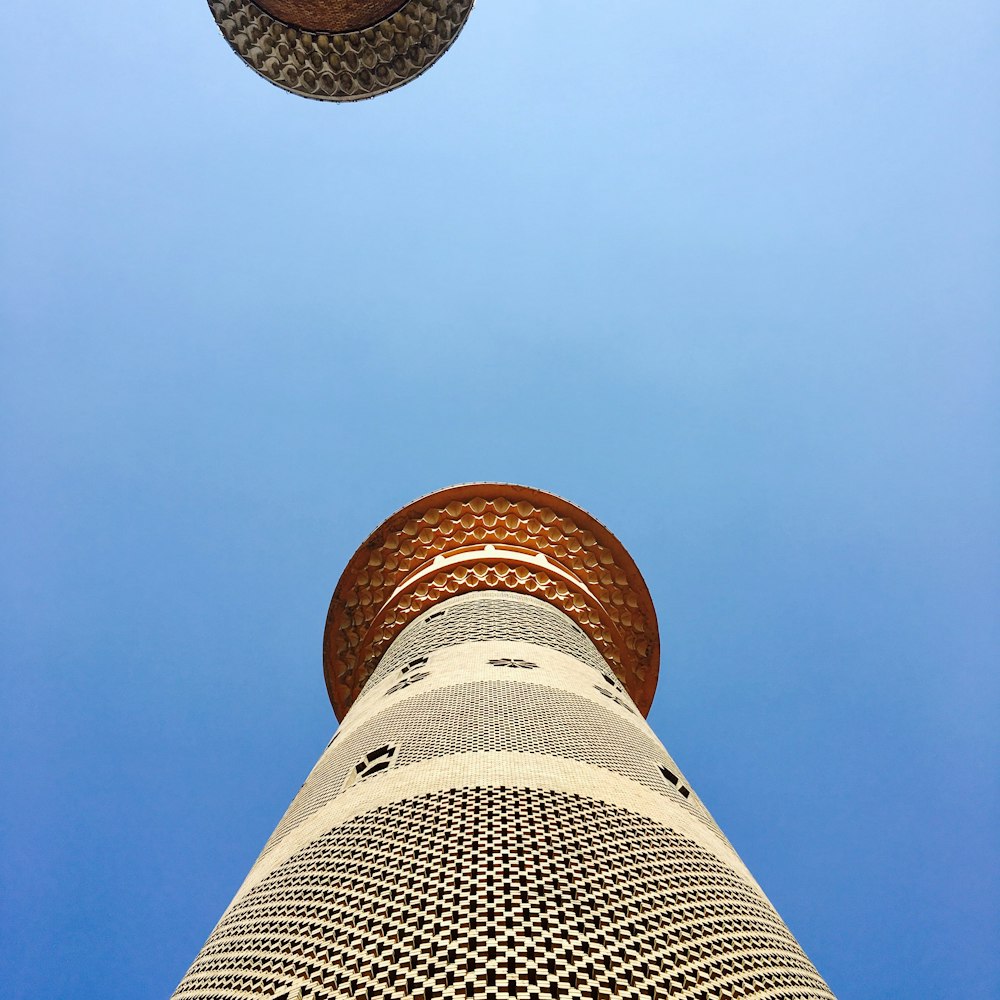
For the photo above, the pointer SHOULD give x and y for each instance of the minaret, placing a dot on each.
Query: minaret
(340, 50)
(494, 817)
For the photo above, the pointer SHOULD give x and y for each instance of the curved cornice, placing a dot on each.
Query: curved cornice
(490, 536)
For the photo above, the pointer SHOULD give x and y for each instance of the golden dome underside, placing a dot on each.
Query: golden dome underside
(349, 66)
(364, 617)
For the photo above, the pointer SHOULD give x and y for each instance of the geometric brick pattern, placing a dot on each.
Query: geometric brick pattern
(342, 67)
(491, 616)
(497, 893)
(494, 715)
(494, 818)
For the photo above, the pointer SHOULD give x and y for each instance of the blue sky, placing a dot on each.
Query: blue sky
(723, 274)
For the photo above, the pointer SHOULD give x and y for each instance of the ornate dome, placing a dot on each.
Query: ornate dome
(490, 536)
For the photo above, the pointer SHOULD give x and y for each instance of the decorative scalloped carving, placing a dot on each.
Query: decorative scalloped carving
(342, 67)
(383, 588)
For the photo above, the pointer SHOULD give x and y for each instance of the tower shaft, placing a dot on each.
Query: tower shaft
(495, 818)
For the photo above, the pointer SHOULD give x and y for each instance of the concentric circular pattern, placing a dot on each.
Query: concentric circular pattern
(500, 893)
(608, 599)
(346, 66)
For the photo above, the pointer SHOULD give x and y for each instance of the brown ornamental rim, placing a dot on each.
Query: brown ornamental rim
(490, 536)
(332, 16)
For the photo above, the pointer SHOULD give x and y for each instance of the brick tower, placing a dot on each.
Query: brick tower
(494, 818)
(340, 50)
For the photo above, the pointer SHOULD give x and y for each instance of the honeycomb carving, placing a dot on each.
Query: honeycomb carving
(349, 66)
(394, 579)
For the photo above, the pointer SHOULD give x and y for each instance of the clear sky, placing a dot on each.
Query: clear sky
(726, 275)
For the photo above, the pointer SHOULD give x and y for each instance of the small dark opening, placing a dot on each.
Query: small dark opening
(669, 775)
(407, 681)
(514, 664)
(377, 760)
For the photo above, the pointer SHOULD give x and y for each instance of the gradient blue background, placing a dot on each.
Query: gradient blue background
(724, 274)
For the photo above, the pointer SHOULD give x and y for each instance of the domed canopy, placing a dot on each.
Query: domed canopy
(340, 50)
(490, 536)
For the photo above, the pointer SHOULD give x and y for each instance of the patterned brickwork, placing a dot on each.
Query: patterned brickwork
(495, 819)
(499, 716)
(481, 617)
(342, 67)
(496, 893)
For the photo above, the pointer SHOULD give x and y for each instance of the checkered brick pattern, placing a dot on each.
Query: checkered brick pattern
(498, 893)
(495, 819)
(481, 617)
(500, 716)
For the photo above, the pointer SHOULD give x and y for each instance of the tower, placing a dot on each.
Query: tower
(494, 817)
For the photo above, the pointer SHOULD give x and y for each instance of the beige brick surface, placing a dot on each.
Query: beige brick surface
(495, 818)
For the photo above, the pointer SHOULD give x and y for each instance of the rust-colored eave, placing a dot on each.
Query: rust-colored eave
(490, 536)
